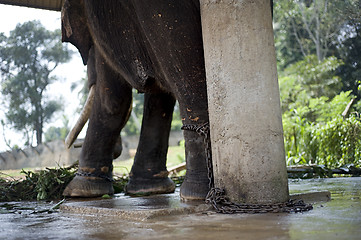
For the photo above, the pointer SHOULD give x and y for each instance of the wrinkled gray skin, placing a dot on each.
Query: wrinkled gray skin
(155, 47)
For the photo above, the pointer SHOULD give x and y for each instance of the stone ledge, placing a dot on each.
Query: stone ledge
(313, 197)
(144, 208)
(137, 214)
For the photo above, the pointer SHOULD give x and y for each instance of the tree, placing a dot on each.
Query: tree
(305, 27)
(308, 85)
(322, 28)
(29, 55)
(318, 51)
(314, 130)
(58, 133)
(350, 52)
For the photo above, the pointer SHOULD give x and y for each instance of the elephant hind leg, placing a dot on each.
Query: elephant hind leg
(196, 182)
(194, 112)
(145, 187)
(149, 174)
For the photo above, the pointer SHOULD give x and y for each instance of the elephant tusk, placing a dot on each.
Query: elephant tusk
(83, 118)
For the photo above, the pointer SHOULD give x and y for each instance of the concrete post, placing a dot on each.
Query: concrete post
(243, 99)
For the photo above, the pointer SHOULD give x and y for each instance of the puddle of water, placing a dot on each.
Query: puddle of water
(339, 218)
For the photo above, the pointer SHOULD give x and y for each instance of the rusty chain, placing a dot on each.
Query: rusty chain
(96, 175)
(217, 197)
(203, 130)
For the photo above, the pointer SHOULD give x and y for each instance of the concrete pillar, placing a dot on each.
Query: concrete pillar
(243, 99)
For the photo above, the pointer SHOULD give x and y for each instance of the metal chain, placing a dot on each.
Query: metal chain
(86, 174)
(203, 130)
(217, 197)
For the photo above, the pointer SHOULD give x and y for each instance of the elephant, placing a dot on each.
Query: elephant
(155, 47)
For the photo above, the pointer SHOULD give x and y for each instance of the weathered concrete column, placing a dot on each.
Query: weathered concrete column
(244, 102)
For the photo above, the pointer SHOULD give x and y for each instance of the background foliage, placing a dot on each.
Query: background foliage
(319, 62)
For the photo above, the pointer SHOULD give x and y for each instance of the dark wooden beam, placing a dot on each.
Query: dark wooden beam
(54, 5)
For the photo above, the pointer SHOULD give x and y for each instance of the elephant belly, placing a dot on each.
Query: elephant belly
(150, 43)
(116, 34)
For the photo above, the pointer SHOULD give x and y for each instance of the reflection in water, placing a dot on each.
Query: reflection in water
(140, 203)
(339, 218)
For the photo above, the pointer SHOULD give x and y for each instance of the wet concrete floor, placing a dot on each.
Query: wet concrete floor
(143, 218)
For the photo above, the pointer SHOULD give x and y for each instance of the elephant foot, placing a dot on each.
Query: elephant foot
(193, 190)
(141, 186)
(82, 186)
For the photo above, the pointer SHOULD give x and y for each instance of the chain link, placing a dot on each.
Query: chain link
(86, 174)
(203, 130)
(217, 197)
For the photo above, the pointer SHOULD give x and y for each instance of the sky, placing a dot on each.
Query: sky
(69, 73)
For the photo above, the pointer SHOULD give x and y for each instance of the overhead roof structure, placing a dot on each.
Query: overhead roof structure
(54, 5)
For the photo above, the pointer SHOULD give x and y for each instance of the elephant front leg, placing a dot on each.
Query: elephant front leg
(149, 174)
(110, 111)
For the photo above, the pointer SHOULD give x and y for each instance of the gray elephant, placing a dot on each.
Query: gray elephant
(155, 47)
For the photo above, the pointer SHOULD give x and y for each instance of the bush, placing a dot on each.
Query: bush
(339, 142)
(333, 144)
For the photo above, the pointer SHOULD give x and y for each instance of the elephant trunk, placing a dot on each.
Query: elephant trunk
(83, 118)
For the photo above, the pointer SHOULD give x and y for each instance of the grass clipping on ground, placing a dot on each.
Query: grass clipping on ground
(41, 185)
